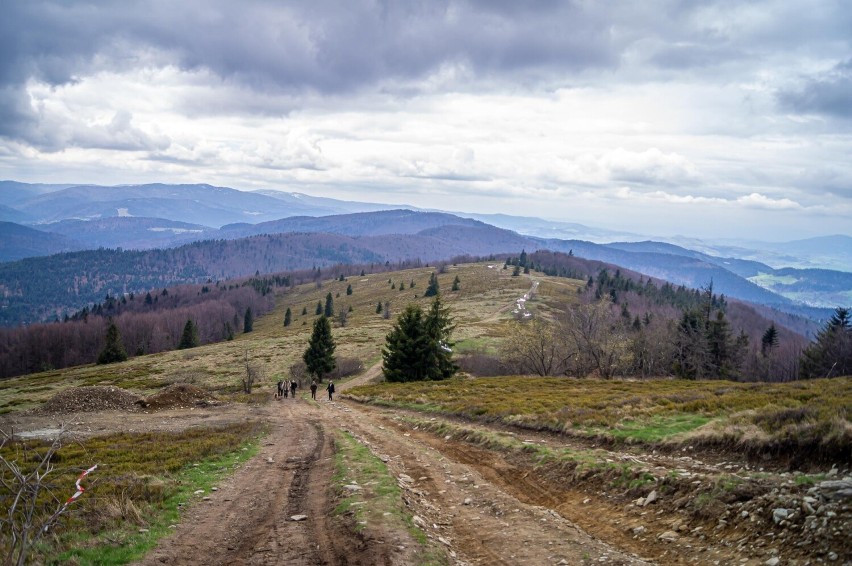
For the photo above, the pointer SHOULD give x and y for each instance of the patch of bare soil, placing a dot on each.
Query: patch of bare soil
(89, 399)
(178, 396)
(277, 508)
(682, 511)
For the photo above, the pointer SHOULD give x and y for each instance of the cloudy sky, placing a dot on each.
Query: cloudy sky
(710, 119)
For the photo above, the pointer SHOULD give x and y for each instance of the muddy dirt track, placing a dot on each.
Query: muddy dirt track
(248, 520)
(475, 506)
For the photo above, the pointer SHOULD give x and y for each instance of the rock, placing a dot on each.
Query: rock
(639, 530)
(443, 541)
(779, 515)
(836, 490)
(198, 491)
(406, 478)
(467, 501)
(652, 497)
(269, 460)
(832, 556)
(774, 561)
(298, 517)
(352, 487)
(669, 536)
(214, 489)
(417, 520)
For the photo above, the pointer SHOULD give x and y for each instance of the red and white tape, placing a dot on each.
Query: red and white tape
(80, 488)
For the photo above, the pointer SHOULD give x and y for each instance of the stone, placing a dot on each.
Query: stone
(417, 520)
(467, 501)
(652, 497)
(669, 536)
(639, 530)
(836, 490)
(774, 561)
(352, 487)
(779, 515)
(298, 517)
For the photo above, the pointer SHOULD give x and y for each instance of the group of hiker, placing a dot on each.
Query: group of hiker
(291, 385)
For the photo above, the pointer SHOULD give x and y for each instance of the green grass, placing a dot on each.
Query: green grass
(800, 413)
(141, 482)
(379, 501)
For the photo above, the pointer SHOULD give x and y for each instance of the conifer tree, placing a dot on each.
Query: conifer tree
(418, 347)
(349, 289)
(329, 306)
(288, 317)
(189, 338)
(769, 341)
(456, 284)
(318, 311)
(319, 356)
(433, 288)
(831, 354)
(113, 349)
(304, 311)
(379, 308)
(248, 321)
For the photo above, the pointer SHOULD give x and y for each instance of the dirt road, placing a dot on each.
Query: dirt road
(249, 519)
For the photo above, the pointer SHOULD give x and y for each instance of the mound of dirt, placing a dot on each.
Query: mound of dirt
(178, 396)
(90, 399)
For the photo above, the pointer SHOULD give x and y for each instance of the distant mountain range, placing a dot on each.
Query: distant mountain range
(73, 218)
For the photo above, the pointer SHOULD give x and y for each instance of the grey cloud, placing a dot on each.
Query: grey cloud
(828, 93)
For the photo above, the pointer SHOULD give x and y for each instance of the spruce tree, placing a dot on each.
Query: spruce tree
(406, 352)
(319, 356)
(329, 306)
(318, 310)
(831, 354)
(288, 317)
(379, 308)
(418, 346)
(304, 311)
(189, 338)
(439, 326)
(349, 289)
(113, 349)
(769, 341)
(456, 284)
(248, 321)
(433, 288)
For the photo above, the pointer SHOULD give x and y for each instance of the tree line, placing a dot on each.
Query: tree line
(623, 323)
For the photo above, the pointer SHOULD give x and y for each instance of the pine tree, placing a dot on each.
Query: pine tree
(288, 317)
(189, 338)
(379, 308)
(456, 284)
(433, 288)
(349, 289)
(319, 356)
(329, 306)
(318, 310)
(248, 321)
(114, 349)
(304, 311)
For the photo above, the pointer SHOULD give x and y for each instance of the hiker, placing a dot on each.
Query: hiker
(314, 389)
(280, 389)
(330, 389)
(285, 387)
(293, 386)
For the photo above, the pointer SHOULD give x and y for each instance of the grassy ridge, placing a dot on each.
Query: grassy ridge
(806, 414)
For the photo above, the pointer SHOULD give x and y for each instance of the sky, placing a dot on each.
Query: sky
(716, 119)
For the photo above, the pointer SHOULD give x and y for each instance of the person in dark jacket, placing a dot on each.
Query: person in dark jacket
(313, 389)
(330, 389)
(293, 386)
